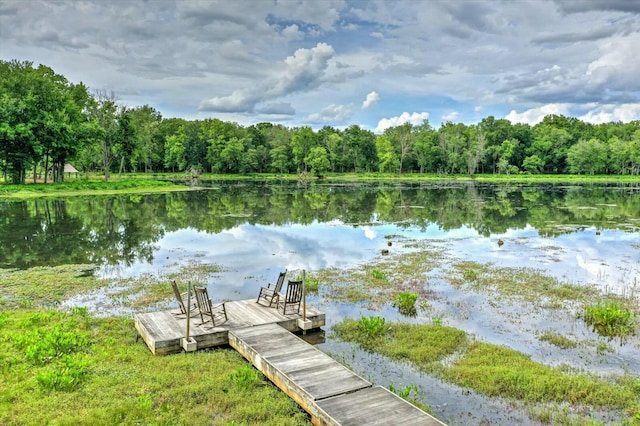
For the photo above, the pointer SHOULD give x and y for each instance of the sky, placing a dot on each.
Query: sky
(377, 64)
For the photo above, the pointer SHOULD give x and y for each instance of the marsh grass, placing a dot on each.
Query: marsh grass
(423, 345)
(529, 284)
(558, 340)
(48, 286)
(497, 371)
(379, 282)
(69, 368)
(413, 394)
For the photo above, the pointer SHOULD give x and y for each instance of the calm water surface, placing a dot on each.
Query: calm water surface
(586, 235)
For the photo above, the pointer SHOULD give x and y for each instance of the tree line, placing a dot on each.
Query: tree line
(47, 121)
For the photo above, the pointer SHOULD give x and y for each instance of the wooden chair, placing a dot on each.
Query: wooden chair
(272, 294)
(291, 298)
(217, 314)
(181, 305)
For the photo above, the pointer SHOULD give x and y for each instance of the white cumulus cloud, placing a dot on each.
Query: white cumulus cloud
(372, 99)
(415, 118)
(535, 115)
(301, 72)
(608, 113)
(332, 113)
(292, 32)
(452, 116)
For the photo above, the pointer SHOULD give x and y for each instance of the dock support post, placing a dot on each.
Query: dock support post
(189, 344)
(303, 323)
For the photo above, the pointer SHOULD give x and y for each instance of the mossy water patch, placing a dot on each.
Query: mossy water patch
(558, 340)
(529, 284)
(46, 286)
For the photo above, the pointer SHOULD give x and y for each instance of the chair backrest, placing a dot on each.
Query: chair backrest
(294, 292)
(280, 281)
(203, 300)
(176, 291)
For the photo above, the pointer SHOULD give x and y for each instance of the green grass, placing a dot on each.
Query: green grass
(87, 186)
(423, 345)
(68, 368)
(498, 371)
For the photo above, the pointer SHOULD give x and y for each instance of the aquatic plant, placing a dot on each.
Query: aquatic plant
(405, 302)
(610, 319)
(372, 326)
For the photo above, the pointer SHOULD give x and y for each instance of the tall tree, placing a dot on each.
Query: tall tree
(105, 114)
(303, 140)
(427, 152)
(403, 140)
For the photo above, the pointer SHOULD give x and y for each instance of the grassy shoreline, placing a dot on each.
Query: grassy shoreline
(69, 367)
(159, 182)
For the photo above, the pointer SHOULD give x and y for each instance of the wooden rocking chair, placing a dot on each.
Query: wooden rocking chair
(292, 297)
(181, 305)
(217, 314)
(272, 294)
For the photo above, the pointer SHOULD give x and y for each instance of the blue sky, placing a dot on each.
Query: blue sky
(340, 62)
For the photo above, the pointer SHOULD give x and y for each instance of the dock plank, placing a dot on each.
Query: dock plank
(372, 406)
(307, 357)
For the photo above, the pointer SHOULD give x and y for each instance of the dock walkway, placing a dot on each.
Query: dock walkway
(331, 393)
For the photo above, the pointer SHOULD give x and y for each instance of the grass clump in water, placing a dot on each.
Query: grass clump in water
(502, 372)
(421, 344)
(558, 340)
(608, 318)
(406, 303)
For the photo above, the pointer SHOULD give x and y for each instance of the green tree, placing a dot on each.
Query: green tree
(41, 117)
(231, 155)
(587, 156)
(317, 160)
(302, 141)
(402, 139)
(388, 160)
(175, 149)
(427, 151)
(104, 113)
(533, 164)
(145, 121)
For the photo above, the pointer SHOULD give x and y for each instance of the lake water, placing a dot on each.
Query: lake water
(586, 235)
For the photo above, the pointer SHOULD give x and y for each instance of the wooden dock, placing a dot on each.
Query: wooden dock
(331, 393)
(163, 331)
